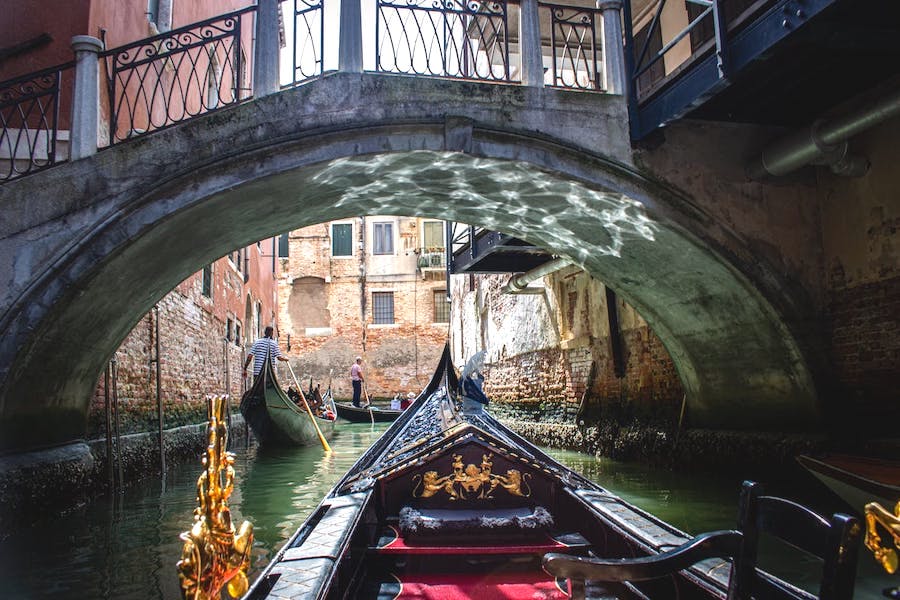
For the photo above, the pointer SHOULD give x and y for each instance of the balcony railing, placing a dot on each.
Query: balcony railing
(169, 78)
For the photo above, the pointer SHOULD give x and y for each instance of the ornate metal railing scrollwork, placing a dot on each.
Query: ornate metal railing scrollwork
(575, 45)
(308, 39)
(29, 120)
(177, 75)
(467, 39)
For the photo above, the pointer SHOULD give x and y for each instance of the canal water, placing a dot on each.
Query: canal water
(125, 546)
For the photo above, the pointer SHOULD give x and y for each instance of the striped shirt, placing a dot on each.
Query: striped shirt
(261, 348)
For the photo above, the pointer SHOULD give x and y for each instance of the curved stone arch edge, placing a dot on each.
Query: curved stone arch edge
(481, 147)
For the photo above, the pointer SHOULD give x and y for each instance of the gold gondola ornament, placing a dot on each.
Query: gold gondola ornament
(214, 557)
(878, 515)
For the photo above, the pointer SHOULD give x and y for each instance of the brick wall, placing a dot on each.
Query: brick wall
(193, 346)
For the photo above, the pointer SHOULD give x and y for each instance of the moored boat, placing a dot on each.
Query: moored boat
(450, 503)
(275, 419)
(858, 480)
(358, 414)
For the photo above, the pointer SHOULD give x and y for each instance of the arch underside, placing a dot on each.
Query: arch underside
(739, 364)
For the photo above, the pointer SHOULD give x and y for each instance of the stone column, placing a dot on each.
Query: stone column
(86, 97)
(613, 47)
(350, 59)
(530, 44)
(268, 48)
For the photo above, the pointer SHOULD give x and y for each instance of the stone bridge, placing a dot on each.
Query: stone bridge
(92, 244)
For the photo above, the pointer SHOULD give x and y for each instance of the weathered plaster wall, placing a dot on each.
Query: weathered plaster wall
(830, 241)
(860, 221)
(549, 358)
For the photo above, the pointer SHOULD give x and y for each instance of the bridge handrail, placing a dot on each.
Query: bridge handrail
(171, 77)
(29, 115)
(204, 61)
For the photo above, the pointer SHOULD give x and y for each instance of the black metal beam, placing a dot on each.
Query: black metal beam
(701, 81)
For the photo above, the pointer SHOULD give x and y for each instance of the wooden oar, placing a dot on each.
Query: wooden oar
(368, 402)
(309, 411)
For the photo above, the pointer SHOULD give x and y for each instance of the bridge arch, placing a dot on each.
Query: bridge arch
(186, 196)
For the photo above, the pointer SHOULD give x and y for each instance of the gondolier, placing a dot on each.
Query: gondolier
(357, 379)
(264, 346)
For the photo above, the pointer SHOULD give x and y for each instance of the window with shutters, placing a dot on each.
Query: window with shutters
(342, 239)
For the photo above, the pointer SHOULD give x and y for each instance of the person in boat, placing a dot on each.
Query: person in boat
(356, 379)
(404, 404)
(471, 385)
(264, 346)
(395, 402)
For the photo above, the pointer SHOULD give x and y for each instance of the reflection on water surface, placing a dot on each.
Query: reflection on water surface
(126, 546)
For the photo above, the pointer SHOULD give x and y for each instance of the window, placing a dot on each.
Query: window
(441, 307)
(382, 308)
(283, 246)
(384, 238)
(433, 237)
(159, 12)
(206, 285)
(342, 239)
(237, 333)
(228, 328)
(235, 258)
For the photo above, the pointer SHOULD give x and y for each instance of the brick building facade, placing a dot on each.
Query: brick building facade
(203, 329)
(369, 286)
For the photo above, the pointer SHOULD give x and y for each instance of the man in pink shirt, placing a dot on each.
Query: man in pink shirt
(357, 378)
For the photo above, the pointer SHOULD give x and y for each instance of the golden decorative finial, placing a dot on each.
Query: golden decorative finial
(213, 556)
(878, 515)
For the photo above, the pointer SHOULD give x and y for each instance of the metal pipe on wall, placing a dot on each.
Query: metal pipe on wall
(518, 284)
(826, 142)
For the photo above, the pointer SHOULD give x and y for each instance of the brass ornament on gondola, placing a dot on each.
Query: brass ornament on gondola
(214, 557)
(878, 515)
(468, 481)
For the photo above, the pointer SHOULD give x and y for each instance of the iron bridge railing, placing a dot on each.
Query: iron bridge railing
(29, 117)
(444, 38)
(177, 75)
(576, 47)
(174, 76)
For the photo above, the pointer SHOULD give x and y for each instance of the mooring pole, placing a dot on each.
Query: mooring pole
(109, 441)
(115, 395)
(159, 402)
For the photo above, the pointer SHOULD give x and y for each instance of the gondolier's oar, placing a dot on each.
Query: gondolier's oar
(368, 402)
(309, 411)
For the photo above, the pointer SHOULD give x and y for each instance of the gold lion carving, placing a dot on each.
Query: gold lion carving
(467, 481)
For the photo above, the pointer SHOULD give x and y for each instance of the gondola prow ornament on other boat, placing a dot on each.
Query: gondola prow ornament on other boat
(213, 556)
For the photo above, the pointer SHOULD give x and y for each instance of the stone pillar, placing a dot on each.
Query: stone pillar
(613, 47)
(530, 44)
(350, 59)
(86, 97)
(268, 48)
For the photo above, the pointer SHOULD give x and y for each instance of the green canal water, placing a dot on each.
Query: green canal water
(125, 546)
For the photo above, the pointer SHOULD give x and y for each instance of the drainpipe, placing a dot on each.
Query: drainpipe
(826, 143)
(518, 284)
